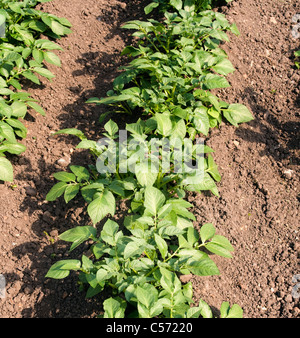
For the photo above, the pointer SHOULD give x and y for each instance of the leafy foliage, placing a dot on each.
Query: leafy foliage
(174, 66)
(23, 55)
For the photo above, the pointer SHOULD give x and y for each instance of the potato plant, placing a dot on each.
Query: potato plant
(23, 55)
(174, 66)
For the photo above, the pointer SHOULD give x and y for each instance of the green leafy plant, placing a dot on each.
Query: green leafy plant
(174, 66)
(23, 55)
(141, 266)
(102, 190)
(165, 5)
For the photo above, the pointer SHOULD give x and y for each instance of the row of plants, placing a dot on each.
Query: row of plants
(24, 56)
(176, 62)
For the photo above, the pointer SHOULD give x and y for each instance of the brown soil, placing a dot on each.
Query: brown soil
(258, 205)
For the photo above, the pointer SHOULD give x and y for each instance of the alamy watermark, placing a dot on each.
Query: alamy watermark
(158, 155)
(2, 286)
(296, 27)
(296, 287)
(2, 26)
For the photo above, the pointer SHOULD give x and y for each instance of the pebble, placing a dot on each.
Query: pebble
(47, 217)
(273, 20)
(63, 162)
(288, 173)
(30, 191)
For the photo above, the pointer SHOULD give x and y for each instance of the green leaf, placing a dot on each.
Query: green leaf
(169, 281)
(164, 124)
(44, 72)
(16, 7)
(149, 8)
(144, 175)
(111, 127)
(162, 245)
(38, 55)
(192, 235)
(5, 109)
(102, 275)
(71, 191)
(71, 131)
(234, 29)
(59, 29)
(12, 148)
(205, 310)
(64, 176)
(30, 76)
(204, 267)
(61, 269)
(56, 191)
(213, 81)
(5, 91)
(147, 295)
(132, 249)
(224, 67)
(101, 206)
(201, 120)
(82, 174)
(177, 4)
(36, 107)
(237, 113)
(37, 26)
(6, 170)
(15, 83)
(234, 312)
(222, 241)
(52, 58)
(207, 231)
(154, 200)
(114, 308)
(218, 250)
(213, 169)
(47, 44)
(78, 235)
(206, 183)
(19, 109)
(109, 231)
(224, 309)
(7, 132)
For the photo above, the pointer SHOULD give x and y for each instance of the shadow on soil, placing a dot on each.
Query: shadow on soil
(281, 139)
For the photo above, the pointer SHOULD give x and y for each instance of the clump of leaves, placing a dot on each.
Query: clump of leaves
(23, 55)
(165, 5)
(141, 267)
(168, 83)
(102, 190)
(175, 66)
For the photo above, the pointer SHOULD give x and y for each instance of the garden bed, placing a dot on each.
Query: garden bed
(258, 205)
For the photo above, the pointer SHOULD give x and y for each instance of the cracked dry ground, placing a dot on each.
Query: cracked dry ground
(257, 210)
